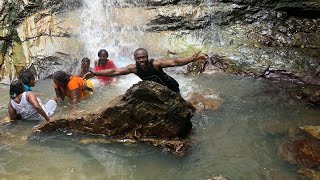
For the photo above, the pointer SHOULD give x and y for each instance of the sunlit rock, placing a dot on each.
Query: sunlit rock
(312, 130)
(147, 110)
(46, 40)
(30, 36)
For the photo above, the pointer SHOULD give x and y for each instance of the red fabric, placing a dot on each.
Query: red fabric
(108, 65)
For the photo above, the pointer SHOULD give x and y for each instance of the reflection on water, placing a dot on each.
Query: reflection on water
(239, 139)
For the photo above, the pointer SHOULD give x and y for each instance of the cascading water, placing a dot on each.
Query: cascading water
(108, 25)
(101, 28)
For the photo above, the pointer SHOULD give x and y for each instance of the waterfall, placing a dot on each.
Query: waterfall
(104, 26)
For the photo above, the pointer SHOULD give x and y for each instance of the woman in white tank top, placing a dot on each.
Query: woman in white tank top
(26, 105)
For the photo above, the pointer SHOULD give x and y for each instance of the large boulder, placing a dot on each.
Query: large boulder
(147, 110)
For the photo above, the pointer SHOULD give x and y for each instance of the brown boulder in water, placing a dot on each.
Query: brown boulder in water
(146, 110)
(304, 152)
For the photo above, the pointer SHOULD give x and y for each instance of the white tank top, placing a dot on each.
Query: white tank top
(25, 109)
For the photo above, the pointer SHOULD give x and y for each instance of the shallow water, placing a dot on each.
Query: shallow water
(239, 140)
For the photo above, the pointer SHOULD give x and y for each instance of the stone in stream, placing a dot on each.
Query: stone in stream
(305, 151)
(147, 112)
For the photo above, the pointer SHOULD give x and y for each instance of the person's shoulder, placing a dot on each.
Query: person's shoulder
(132, 68)
(95, 62)
(111, 64)
(110, 61)
(29, 94)
(75, 78)
(156, 62)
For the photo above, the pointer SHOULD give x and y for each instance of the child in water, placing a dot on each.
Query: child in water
(84, 69)
(26, 105)
(28, 79)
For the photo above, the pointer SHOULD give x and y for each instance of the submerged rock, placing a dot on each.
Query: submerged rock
(309, 173)
(201, 102)
(146, 110)
(304, 152)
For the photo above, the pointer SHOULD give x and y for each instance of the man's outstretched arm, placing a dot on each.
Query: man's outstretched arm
(163, 63)
(131, 68)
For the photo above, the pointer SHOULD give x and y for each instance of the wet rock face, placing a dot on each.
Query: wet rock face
(146, 110)
(304, 8)
(315, 99)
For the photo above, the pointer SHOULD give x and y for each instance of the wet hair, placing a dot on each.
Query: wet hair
(140, 49)
(62, 77)
(26, 77)
(101, 51)
(16, 88)
(85, 60)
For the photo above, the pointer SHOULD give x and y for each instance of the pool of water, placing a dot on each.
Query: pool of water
(238, 140)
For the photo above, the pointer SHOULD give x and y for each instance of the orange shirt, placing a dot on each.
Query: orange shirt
(74, 83)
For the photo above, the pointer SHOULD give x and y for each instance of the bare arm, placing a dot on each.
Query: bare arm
(131, 68)
(12, 112)
(163, 63)
(75, 97)
(32, 99)
(59, 94)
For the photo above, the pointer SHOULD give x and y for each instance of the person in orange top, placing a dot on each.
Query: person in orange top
(70, 86)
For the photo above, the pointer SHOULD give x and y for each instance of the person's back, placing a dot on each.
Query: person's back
(26, 105)
(74, 82)
(24, 108)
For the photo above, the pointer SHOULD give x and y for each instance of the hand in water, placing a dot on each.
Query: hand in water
(88, 75)
(59, 100)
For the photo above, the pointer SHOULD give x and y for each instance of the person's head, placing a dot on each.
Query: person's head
(61, 78)
(85, 64)
(27, 78)
(141, 57)
(16, 88)
(103, 54)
